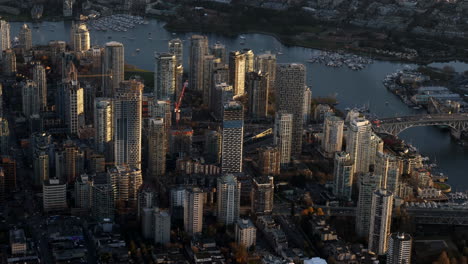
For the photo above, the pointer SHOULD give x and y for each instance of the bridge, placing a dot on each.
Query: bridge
(395, 125)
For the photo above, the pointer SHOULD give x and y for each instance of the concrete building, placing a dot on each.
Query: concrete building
(5, 41)
(343, 175)
(104, 127)
(193, 211)
(262, 195)
(165, 76)
(126, 182)
(399, 248)
(269, 160)
(232, 139)
(103, 196)
(39, 77)
(9, 62)
(290, 83)
(380, 221)
(41, 167)
(68, 8)
(245, 233)
(83, 191)
(228, 199)
(307, 105)
(18, 243)
(54, 195)
(266, 64)
(127, 110)
(198, 50)
(180, 142)
(257, 91)
(237, 67)
(388, 167)
(213, 144)
(80, 40)
(74, 106)
(29, 94)
(69, 162)
(177, 202)
(113, 64)
(219, 51)
(8, 165)
(282, 136)
(4, 136)
(249, 60)
(209, 62)
(176, 47)
(367, 184)
(222, 94)
(157, 148)
(359, 144)
(25, 37)
(332, 135)
(162, 227)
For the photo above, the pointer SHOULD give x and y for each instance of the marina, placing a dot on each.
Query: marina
(338, 59)
(119, 23)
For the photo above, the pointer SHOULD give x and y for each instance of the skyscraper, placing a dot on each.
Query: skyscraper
(80, 40)
(367, 184)
(9, 62)
(282, 136)
(257, 90)
(193, 211)
(290, 83)
(112, 67)
(307, 105)
(237, 71)
(332, 135)
(126, 182)
(198, 50)
(83, 191)
(127, 123)
(228, 199)
(157, 148)
(5, 42)
(399, 249)
(249, 60)
(387, 166)
(380, 221)
(103, 126)
(4, 136)
(262, 195)
(103, 203)
(30, 98)
(25, 37)
(233, 136)
(209, 62)
(39, 77)
(266, 64)
(176, 47)
(162, 226)
(343, 173)
(74, 104)
(219, 51)
(245, 233)
(269, 160)
(165, 76)
(359, 144)
(69, 162)
(223, 94)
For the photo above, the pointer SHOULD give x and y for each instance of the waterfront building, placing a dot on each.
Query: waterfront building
(399, 248)
(198, 50)
(262, 195)
(103, 126)
(165, 76)
(343, 174)
(367, 184)
(176, 47)
(113, 65)
(193, 211)
(290, 83)
(39, 77)
(54, 195)
(5, 41)
(237, 67)
(387, 166)
(380, 221)
(257, 90)
(233, 136)
(359, 144)
(228, 190)
(245, 233)
(80, 40)
(332, 135)
(282, 136)
(25, 37)
(157, 148)
(269, 160)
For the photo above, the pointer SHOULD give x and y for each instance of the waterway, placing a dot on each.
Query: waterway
(352, 88)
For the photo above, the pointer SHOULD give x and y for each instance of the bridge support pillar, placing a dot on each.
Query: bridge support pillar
(455, 133)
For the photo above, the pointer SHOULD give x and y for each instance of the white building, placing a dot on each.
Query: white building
(399, 249)
(367, 184)
(54, 195)
(245, 233)
(228, 199)
(307, 105)
(80, 39)
(343, 175)
(162, 227)
(176, 47)
(282, 136)
(380, 221)
(332, 140)
(5, 41)
(165, 76)
(193, 211)
(359, 144)
(126, 182)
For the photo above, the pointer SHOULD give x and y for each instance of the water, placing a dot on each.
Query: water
(352, 88)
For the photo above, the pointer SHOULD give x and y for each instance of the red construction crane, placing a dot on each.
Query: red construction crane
(179, 102)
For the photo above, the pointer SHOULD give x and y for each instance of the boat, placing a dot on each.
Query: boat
(150, 38)
(137, 50)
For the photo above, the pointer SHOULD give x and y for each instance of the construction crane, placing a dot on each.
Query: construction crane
(179, 102)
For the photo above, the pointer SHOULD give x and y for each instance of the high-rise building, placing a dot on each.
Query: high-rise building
(387, 166)
(343, 174)
(282, 136)
(69, 162)
(198, 50)
(39, 77)
(358, 144)
(180, 142)
(67, 8)
(367, 184)
(126, 182)
(233, 136)
(147, 222)
(8, 165)
(307, 105)
(269, 160)
(212, 148)
(257, 90)
(83, 191)
(399, 248)
(165, 76)
(176, 202)
(103, 196)
(209, 62)
(54, 195)
(237, 72)
(162, 226)
(29, 94)
(74, 106)
(147, 198)
(112, 67)
(41, 166)
(228, 190)
(103, 126)
(219, 51)
(176, 47)
(5, 41)
(4, 136)
(290, 83)
(25, 37)
(266, 64)
(193, 211)
(9, 62)
(380, 221)
(179, 82)
(249, 60)
(80, 40)
(223, 94)
(332, 135)
(157, 148)
(245, 233)
(262, 195)
(127, 123)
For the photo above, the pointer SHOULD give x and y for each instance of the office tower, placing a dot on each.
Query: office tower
(266, 64)
(245, 233)
(127, 124)
(162, 226)
(25, 37)
(54, 195)
(112, 67)
(29, 94)
(176, 47)
(237, 72)
(165, 76)
(80, 40)
(219, 51)
(176, 202)
(282, 136)
(307, 105)
(83, 191)
(257, 90)
(399, 248)
(9, 62)
(39, 77)
(41, 166)
(103, 126)
(343, 173)
(228, 190)
(126, 181)
(269, 160)
(367, 184)
(387, 166)
(198, 50)
(358, 144)
(332, 135)
(380, 221)
(157, 148)
(233, 136)
(290, 83)
(212, 148)
(69, 162)
(209, 62)
(9, 170)
(223, 94)
(249, 60)
(103, 197)
(193, 211)
(262, 195)
(4, 136)
(180, 142)
(5, 42)
(74, 106)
